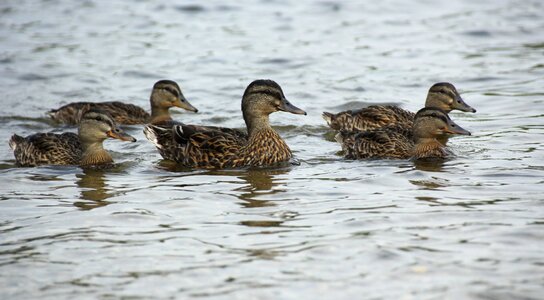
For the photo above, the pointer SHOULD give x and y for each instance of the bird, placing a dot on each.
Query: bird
(213, 147)
(164, 95)
(399, 142)
(84, 148)
(441, 95)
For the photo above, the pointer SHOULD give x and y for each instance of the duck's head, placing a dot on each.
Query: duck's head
(166, 94)
(445, 96)
(96, 126)
(432, 122)
(263, 97)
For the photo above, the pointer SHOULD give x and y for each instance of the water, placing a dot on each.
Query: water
(466, 228)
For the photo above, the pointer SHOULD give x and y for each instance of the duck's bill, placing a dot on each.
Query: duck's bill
(121, 135)
(183, 103)
(456, 129)
(462, 106)
(288, 107)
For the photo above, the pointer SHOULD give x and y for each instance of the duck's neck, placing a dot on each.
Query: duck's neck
(159, 114)
(264, 146)
(443, 139)
(256, 124)
(428, 147)
(94, 154)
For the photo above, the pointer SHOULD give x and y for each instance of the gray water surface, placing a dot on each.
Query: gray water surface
(466, 228)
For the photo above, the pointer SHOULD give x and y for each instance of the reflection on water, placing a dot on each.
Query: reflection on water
(93, 188)
(469, 227)
(430, 164)
(261, 183)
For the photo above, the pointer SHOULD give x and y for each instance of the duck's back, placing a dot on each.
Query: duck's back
(192, 145)
(368, 118)
(219, 147)
(394, 141)
(122, 113)
(46, 149)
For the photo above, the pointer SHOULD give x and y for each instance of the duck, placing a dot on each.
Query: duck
(399, 142)
(164, 95)
(211, 147)
(442, 95)
(84, 148)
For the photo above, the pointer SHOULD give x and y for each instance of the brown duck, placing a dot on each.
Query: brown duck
(165, 94)
(84, 148)
(217, 147)
(441, 95)
(397, 141)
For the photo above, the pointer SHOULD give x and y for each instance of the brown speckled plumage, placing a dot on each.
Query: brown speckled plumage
(397, 141)
(165, 94)
(162, 135)
(122, 113)
(441, 95)
(217, 147)
(47, 149)
(371, 117)
(84, 148)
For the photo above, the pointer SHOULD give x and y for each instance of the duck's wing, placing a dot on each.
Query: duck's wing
(368, 118)
(122, 113)
(162, 136)
(387, 142)
(207, 146)
(46, 149)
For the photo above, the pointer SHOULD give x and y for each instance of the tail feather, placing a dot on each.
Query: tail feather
(339, 137)
(328, 117)
(15, 140)
(151, 134)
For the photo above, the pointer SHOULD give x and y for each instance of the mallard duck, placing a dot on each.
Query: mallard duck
(397, 141)
(441, 95)
(217, 147)
(84, 148)
(165, 94)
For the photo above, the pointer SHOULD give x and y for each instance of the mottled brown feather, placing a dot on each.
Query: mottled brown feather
(368, 118)
(47, 149)
(122, 113)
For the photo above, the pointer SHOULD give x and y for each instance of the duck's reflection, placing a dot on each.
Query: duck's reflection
(430, 164)
(93, 189)
(261, 183)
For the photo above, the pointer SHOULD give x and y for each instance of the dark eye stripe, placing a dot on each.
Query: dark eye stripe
(172, 91)
(446, 92)
(102, 119)
(441, 117)
(274, 94)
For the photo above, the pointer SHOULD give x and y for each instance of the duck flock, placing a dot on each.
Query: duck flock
(374, 132)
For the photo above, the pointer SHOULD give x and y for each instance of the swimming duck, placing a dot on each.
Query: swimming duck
(217, 147)
(397, 141)
(84, 148)
(165, 94)
(441, 95)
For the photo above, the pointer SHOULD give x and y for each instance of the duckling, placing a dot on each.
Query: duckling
(217, 147)
(84, 148)
(397, 141)
(441, 95)
(165, 94)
